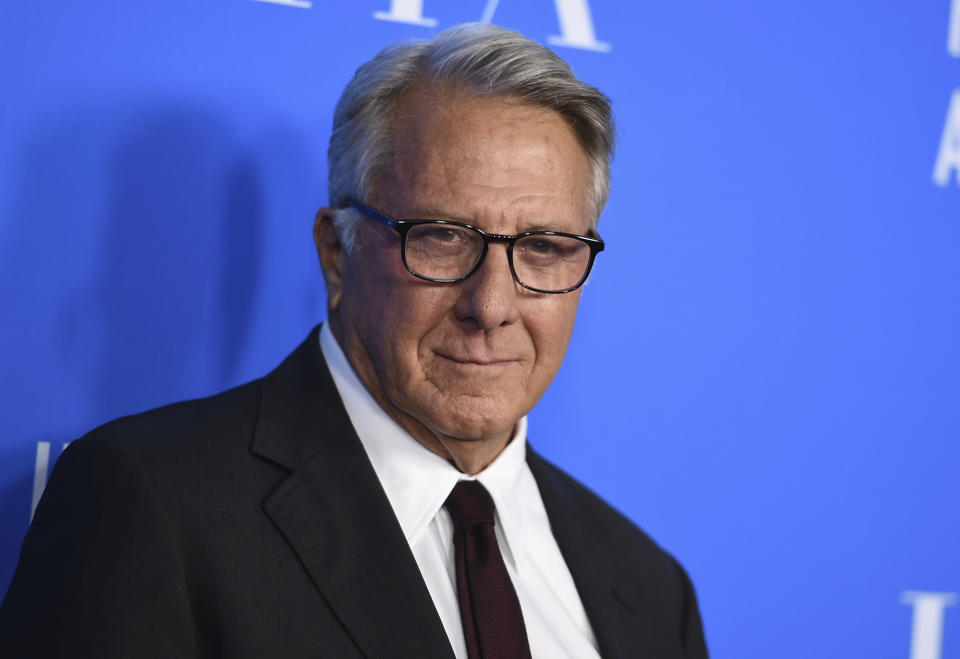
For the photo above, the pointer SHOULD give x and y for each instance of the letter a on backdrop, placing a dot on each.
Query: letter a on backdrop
(948, 157)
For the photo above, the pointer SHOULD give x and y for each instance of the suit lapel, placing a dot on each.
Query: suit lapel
(334, 513)
(616, 611)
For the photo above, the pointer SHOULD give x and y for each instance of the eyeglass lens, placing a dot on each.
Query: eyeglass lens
(541, 261)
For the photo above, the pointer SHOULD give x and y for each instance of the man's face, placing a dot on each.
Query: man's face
(463, 361)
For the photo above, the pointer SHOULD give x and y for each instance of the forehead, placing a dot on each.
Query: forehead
(494, 159)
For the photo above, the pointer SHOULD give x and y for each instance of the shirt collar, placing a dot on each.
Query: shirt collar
(418, 481)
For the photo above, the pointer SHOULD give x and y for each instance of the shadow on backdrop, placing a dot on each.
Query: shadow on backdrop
(131, 256)
(176, 274)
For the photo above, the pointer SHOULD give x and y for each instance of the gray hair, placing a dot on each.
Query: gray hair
(480, 59)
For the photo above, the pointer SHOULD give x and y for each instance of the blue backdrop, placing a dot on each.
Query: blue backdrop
(765, 374)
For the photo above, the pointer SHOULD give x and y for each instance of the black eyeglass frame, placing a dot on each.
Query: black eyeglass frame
(403, 227)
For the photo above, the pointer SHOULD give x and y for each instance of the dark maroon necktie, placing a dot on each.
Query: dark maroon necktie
(489, 609)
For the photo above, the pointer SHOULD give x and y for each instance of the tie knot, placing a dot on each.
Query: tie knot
(469, 505)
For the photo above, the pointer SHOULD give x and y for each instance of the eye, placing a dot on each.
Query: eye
(541, 246)
(443, 233)
(549, 251)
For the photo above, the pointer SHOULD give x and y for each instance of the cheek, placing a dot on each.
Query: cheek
(396, 317)
(412, 317)
(551, 329)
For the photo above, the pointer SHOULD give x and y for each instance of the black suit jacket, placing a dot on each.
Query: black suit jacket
(252, 524)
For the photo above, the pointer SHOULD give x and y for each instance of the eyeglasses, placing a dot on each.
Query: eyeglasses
(445, 251)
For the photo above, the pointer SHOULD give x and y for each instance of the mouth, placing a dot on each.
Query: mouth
(471, 361)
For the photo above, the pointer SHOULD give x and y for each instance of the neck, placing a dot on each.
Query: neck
(469, 456)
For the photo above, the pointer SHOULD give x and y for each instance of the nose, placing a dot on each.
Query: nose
(488, 299)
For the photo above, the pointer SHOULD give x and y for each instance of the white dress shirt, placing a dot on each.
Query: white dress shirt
(418, 481)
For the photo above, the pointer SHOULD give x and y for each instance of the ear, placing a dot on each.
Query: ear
(331, 254)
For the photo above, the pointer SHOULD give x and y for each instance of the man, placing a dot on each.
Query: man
(374, 496)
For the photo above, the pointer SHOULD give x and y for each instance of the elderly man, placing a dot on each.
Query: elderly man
(374, 496)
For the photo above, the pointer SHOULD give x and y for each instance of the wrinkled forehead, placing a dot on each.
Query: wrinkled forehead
(448, 132)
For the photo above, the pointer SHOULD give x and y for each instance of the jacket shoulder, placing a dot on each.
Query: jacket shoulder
(179, 448)
(212, 417)
(561, 491)
(608, 552)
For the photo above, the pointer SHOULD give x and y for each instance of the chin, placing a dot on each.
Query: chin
(470, 418)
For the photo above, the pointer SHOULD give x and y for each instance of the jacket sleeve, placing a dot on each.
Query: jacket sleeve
(99, 573)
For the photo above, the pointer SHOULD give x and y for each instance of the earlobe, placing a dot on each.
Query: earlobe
(331, 254)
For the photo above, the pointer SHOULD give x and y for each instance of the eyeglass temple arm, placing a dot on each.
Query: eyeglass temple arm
(373, 213)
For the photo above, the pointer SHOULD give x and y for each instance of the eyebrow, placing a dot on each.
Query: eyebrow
(437, 213)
